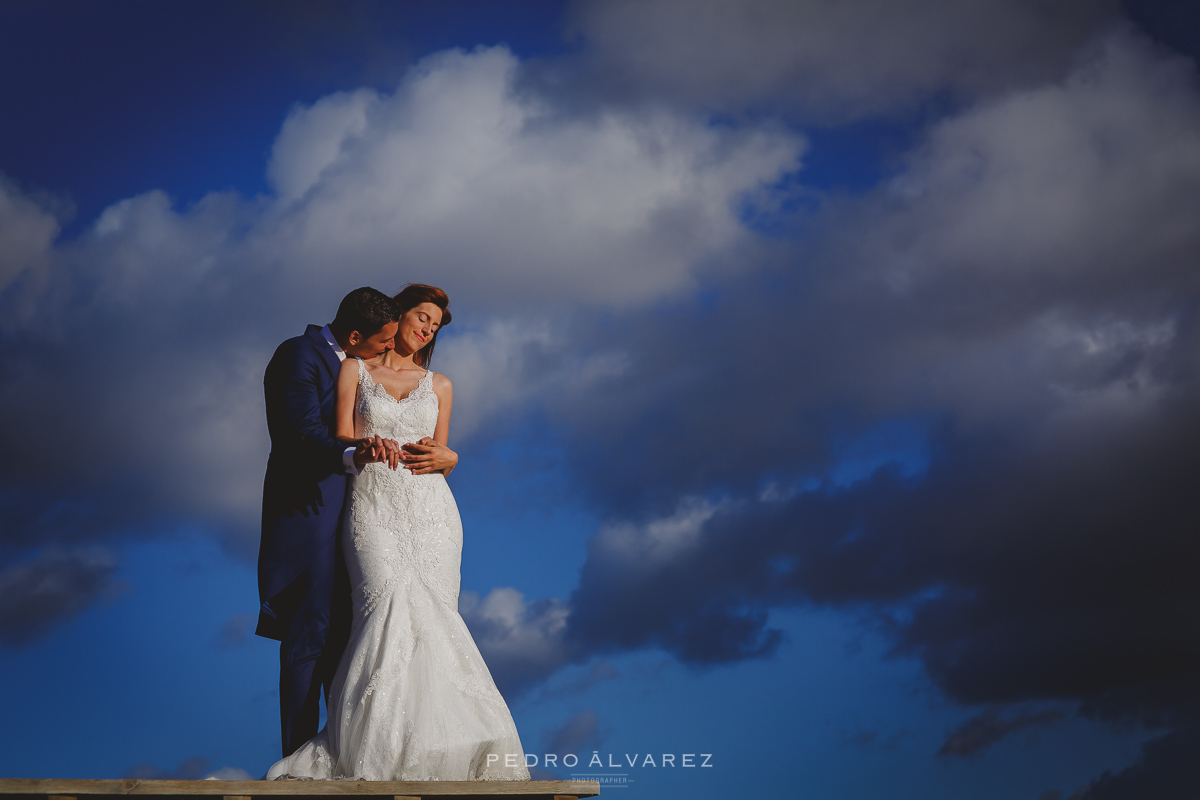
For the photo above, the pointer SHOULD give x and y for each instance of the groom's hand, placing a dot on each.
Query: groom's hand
(365, 452)
(428, 455)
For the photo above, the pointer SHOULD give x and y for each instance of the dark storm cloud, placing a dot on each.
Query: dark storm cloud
(1165, 770)
(826, 60)
(55, 586)
(1012, 572)
(988, 727)
(151, 401)
(967, 404)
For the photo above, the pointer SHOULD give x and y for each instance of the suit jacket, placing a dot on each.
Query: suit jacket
(305, 485)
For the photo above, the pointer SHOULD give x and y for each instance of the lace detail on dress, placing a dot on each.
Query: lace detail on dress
(413, 698)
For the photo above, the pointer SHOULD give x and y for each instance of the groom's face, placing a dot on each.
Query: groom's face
(371, 346)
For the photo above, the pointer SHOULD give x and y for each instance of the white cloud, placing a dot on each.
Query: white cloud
(460, 179)
(26, 234)
(456, 178)
(1062, 207)
(521, 641)
(656, 542)
(1077, 186)
(229, 774)
(516, 364)
(314, 137)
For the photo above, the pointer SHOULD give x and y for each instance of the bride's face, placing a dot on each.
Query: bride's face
(417, 327)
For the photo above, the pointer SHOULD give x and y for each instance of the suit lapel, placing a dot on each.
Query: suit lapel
(327, 355)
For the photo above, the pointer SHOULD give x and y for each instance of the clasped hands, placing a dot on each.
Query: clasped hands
(421, 457)
(428, 455)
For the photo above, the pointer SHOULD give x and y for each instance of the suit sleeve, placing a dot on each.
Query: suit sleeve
(292, 391)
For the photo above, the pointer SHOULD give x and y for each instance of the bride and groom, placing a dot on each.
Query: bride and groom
(359, 563)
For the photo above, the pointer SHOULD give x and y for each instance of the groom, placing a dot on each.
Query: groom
(302, 580)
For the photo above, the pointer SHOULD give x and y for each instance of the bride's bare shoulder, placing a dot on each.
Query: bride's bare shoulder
(349, 372)
(441, 383)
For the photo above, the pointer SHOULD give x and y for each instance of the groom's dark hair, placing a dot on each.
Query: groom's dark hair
(365, 310)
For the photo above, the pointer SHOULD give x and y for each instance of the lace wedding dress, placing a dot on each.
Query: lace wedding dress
(412, 698)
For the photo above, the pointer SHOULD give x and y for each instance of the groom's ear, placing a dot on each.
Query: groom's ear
(354, 338)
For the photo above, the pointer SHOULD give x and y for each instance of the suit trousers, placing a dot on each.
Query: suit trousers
(317, 608)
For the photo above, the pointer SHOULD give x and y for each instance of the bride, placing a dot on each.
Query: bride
(412, 698)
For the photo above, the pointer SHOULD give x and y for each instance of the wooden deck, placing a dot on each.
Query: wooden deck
(53, 789)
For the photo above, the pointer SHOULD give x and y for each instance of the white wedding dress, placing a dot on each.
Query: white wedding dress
(412, 698)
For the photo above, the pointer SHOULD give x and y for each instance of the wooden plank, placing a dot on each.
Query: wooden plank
(80, 789)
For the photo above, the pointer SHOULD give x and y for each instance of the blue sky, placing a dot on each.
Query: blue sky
(825, 374)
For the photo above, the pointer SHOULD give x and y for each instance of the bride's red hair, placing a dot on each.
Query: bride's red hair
(412, 296)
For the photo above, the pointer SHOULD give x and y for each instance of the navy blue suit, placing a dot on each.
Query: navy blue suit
(302, 580)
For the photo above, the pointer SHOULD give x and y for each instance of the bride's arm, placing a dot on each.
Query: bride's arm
(366, 450)
(445, 395)
(431, 453)
(347, 392)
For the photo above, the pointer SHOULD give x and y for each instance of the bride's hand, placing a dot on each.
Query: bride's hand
(376, 449)
(390, 452)
(428, 455)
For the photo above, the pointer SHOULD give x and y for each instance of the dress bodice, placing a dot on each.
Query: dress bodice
(377, 412)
